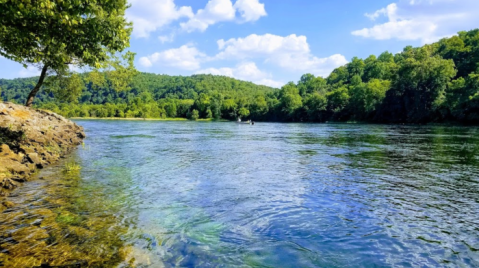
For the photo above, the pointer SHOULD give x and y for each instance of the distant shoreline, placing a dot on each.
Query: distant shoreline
(143, 119)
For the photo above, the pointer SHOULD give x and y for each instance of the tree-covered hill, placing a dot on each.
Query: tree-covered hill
(151, 95)
(438, 82)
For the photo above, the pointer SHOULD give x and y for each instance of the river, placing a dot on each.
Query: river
(219, 194)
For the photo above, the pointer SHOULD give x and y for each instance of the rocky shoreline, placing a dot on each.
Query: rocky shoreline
(32, 139)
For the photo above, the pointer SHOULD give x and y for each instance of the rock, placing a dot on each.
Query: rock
(32, 139)
(8, 204)
(37, 222)
(35, 159)
(7, 183)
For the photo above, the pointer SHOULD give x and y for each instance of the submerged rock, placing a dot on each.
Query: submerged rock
(31, 139)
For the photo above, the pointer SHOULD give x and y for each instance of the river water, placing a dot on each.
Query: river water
(207, 194)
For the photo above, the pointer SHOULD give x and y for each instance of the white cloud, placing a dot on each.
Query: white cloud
(245, 71)
(145, 62)
(186, 57)
(167, 38)
(291, 52)
(270, 83)
(389, 11)
(250, 10)
(30, 71)
(149, 15)
(425, 20)
(215, 11)
(224, 10)
(402, 30)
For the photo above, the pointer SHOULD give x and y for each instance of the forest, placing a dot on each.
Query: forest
(437, 83)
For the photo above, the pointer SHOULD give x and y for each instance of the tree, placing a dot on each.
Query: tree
(209, 113)
(243, 112)
(203, 104)
(366, 98)
(356, 67)
(195, 115)
(338, 77)
(309, 84)
(421, 79)
(259, 107)
(338, 99)
(171, 109)
(229, 108)
(73, 83)
(315, 106)
(290, 100)
(55, 35)
(462, 99)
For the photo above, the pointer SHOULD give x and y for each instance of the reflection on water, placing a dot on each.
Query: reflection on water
(167, 194)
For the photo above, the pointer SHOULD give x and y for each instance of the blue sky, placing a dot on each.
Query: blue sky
(272, 42)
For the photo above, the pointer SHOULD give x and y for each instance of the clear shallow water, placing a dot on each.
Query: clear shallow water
(283, 195)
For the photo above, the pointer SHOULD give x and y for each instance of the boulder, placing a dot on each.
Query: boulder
(31, 139)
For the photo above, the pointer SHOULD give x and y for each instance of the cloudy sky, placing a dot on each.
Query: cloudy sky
(272, 42)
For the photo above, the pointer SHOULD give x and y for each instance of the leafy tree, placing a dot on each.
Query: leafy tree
(338, 99)
(73, 83)
(367, 97)
(309, 84)
(338, 77)
(259, 107)
(243, 112)
(356, 67)
(171, 109)
(55, 35)
(290, 100)
(420, 80)
(195, 115)
(315, 106)
(230, 109)
(209, 113)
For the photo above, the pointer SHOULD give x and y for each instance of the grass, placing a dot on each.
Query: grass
(71, 167)
(131, 119)
(53, 149)
(149, 119)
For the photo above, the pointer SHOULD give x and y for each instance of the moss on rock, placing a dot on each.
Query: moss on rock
(32, 139)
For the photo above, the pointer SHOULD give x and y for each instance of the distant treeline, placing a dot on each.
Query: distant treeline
(433, 83)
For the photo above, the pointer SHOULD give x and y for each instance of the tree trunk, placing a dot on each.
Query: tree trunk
(35, 90)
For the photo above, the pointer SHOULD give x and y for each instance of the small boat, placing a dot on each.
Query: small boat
(249, 122)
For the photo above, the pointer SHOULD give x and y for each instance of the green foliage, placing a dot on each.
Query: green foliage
(72, 82)
(195, 115)
(422, 79)
(367, 97)
(433, 83)
(338, 99)
(315, 106)
(290, 100)
(243, 112)
(55, 35)
(71, 167)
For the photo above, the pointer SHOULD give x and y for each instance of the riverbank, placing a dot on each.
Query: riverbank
(32, 139)
(147, 119)
(129, 119)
